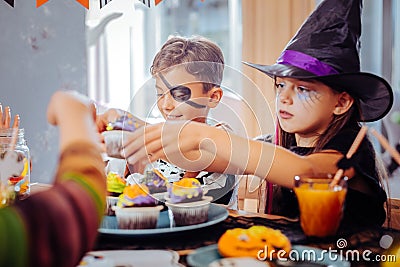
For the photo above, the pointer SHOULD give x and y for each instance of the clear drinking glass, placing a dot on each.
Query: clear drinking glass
(321, 206)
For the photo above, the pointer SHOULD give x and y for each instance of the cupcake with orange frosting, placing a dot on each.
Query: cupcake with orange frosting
(185, 190)
(136, 196)
(187, 202)
(136, 209)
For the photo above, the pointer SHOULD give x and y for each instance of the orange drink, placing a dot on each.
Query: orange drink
(321, 207)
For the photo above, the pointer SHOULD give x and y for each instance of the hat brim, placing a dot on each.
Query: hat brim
(373, 92)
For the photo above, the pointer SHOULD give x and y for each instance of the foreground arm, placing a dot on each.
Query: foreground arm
(56, 227)
(217, 150)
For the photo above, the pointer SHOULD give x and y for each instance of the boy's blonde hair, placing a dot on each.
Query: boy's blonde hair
(208, 56)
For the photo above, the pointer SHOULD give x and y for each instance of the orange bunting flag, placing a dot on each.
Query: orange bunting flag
(84, 3)
(40, 2)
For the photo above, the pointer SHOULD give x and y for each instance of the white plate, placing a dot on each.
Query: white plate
(137, 258)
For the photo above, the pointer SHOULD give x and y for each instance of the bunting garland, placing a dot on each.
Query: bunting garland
(40, 2)
(148, 2)
(104, 2)
(85, 3)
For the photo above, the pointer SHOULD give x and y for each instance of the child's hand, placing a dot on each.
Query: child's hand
(75, 115)
(64, 101)
(117, 119)
(110, 115)
(177, 142)
(5, 118)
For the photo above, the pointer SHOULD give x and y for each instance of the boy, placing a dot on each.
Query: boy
(188, 74)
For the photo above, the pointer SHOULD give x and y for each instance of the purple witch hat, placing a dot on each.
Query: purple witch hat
(326, 48)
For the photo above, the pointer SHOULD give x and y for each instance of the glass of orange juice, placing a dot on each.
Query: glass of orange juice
(321, 205)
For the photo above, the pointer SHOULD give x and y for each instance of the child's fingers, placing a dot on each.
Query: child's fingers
(92, 108)
(134, 141)
(103, 148)
(1, 116)
(7, 119)
(101, 122)
(134, 155)
(16, 121)
(101, 138)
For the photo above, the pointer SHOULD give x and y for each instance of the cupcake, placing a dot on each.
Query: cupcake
(155, 181)
(126, 122)
(187, 203)
(136, 209)
(115, 131)
(115, 187)
(113, 142)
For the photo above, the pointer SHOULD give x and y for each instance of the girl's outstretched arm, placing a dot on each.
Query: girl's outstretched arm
(192, 145)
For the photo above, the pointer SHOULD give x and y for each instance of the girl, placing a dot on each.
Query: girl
(321, 96)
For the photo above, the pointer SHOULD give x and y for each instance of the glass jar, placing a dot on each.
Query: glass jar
(19, 184)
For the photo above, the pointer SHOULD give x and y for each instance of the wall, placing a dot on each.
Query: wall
(41, 50)
(267, 27)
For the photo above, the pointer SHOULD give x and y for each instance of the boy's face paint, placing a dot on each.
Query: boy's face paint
(304, 107)
(172, 96)
(180, 93)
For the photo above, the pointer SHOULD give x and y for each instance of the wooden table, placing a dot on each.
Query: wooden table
(185, 242)
(38, 187)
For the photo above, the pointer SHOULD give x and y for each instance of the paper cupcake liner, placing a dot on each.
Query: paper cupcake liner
(190, 213)
(113, 141)
(137, 218)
